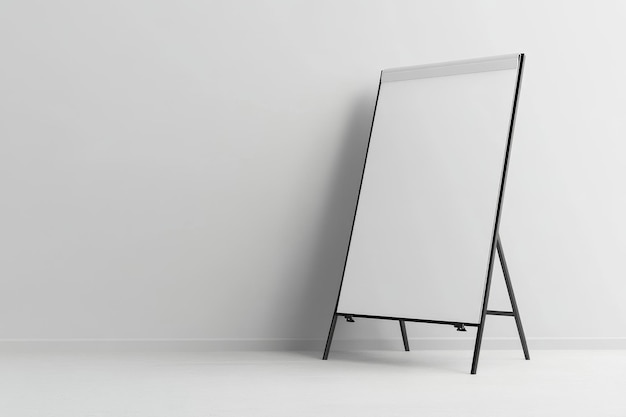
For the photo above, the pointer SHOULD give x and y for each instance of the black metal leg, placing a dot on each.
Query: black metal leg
(405, 340)
(329, 340)
(479, 340)
(483, 316)
(509, 288)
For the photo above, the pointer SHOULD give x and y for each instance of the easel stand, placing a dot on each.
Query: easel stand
(459, 325)
(496, 246)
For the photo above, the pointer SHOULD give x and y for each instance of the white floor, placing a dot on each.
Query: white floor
(357, 383)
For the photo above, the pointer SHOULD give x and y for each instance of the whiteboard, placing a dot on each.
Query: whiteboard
(426, 214)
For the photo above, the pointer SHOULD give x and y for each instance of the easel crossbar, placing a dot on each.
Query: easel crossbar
(500, 313)
(367, 316)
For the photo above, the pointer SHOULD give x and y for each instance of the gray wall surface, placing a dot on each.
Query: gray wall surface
(188, 170)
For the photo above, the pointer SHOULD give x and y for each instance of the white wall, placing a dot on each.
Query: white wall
(188, 170)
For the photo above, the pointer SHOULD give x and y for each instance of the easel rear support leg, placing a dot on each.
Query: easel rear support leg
(509, 288)
(405, 339)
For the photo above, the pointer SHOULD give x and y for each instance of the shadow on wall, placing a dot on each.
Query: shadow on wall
(322, 276)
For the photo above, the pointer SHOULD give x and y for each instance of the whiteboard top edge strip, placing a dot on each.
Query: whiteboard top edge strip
(467, 66)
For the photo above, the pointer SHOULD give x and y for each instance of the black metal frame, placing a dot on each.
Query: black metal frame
(496, 246)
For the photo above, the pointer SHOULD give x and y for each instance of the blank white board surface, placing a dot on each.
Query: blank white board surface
(425, 219)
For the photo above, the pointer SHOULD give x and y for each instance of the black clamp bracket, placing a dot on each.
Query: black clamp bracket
(460, 327)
